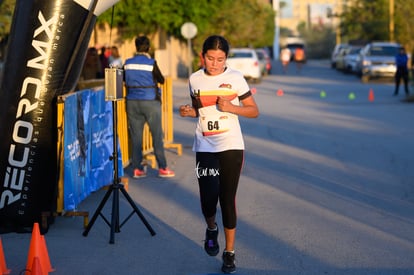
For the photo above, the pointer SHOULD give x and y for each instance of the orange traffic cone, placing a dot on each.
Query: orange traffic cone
(279, 92)
(45, 253)
(3, 266)
(371, 95)
(36, 267)
(38, 249)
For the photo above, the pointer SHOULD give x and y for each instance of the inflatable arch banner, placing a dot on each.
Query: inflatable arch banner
(47, 45)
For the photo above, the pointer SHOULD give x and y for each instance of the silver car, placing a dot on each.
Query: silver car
(351, 59)
(377, 60)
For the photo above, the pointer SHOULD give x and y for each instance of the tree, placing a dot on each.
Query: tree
(404, 20)
(6, 16)
(365, 20)
(368, 20)
(247, 23)
(319, 40)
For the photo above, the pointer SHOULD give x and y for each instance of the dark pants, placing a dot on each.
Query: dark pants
(218, 177)
(140, 112)
(401, 73)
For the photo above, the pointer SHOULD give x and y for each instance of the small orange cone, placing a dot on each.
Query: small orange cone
(371, 95)
(36, 267)
(38, 249)
(279, 92)
(253, 90)
(3, 266)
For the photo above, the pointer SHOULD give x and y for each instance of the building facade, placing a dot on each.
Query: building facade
(310, 12)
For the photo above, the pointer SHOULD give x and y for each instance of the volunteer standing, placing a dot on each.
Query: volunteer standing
(143, 104)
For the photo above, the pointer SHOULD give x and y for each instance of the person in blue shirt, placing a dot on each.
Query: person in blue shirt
(401, 60)
(143, 105)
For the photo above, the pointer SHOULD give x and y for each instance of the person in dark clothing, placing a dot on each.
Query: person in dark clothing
(104, 62)
(143, 105)
(401, 60)
(91, 66)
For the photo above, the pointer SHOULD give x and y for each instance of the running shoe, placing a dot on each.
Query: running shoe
(211, 245)
(165, 173)
(139, 173)
(229, 265)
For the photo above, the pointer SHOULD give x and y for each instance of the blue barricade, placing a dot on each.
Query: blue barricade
(88, 146)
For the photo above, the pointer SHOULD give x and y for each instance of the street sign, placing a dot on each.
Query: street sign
(188, 30)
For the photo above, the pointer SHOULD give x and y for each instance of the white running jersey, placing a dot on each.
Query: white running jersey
(217, 131)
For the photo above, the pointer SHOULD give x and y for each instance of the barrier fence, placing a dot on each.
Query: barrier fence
(85, 142)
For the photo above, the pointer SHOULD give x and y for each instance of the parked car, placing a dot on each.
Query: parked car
(351, 59)
(347, 58)
(264, 61)
(377, 60)
(340, 58)
(246, 61)
(335, 52)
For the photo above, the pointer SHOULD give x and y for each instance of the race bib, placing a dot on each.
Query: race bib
(215, 124)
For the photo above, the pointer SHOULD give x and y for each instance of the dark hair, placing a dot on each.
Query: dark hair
(216, 42)
(142, 44)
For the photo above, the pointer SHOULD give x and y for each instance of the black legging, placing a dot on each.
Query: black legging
(218, 177)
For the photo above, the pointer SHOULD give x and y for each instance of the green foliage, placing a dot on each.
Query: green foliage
(319, 40)
(6, 16)
(243, 23)
(246, 24)
(404, 21)
(369, 20)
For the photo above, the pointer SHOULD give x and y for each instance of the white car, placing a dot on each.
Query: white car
(246, 61)
(335, 52)
(351, 59)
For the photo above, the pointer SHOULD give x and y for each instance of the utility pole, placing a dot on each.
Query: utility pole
(391, 26)
(338, 8)
(336, 20)
(276, 41)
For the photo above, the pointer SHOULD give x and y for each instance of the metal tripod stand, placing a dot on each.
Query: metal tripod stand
(114, 189)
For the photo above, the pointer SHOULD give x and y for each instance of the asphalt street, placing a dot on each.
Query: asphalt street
(327, 188)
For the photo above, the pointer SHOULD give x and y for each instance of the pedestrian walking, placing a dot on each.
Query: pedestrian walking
(299, 57)
(143, 105)
(285, 56)
(219, 95)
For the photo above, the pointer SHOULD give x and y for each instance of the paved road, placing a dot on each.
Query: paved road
(327, 188)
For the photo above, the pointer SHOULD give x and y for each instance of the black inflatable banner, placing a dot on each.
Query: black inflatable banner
(47, 45)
